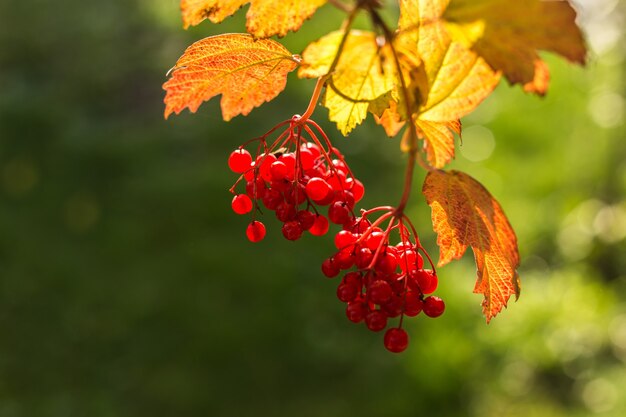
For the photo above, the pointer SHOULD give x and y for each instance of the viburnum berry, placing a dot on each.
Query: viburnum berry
(427, 281)
(434, 306)
(376, 320)
(338, 212)
(347, 292)
(241, 204)
(356, 311)
(330, 268)
(306, 219)
(396, 340)
(413, 305)
(292, 230)
(255, 231)
(320, 226)
(317, 189)
(379, 291)
(239, 161)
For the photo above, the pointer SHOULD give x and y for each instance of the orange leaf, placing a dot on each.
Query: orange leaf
(508, 34)
(439, 137)
(265, 18)
(465, 214)
(446, 79)
(246, 72)
(362, 78)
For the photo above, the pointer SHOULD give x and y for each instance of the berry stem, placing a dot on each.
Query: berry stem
(314, 99)
(418, 244)
(382, 242)
(414, 150)
(330, 146)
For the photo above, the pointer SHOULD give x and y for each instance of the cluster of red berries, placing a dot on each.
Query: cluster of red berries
(294, 181)
(295, 177)
(388, 281)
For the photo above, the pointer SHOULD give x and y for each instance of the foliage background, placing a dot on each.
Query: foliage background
(127, 287)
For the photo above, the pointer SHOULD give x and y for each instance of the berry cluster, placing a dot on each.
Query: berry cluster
(298, 174)
(294, 177)
(381, 280)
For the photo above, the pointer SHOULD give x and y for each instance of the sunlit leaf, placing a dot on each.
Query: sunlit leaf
(439, 138)
(508, 34)
(265, 18)
(445, 80)
(465, 214)
(247, 73)
(362, 75)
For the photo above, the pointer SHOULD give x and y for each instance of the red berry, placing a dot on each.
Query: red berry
(360, 225)
(387, 263)
(363, 258)
(289, 159)
(239, 161)
(379, 291)
(347, 292)
(306, 219)
(356, 311)
(374, 240)
(317, 189)
(339, 165)
(278, 170)
(307, 159)
(281, 185)
(345, 258)
(330, 198)
(320, 226)
(434, 306)
(272, 199)
(353, 278)
(285, 212)
(266, 161)
(338, 213)
(376, 320)
(412, 304)
(344, 239)
(313, 148)
(256, 189)
(427, 281)
(330, 268)
(358, 191)
(337, 180)
(241, 204)
(295, 194)
(292, 230)
(393, 306)
(255, 231)
(396, 340)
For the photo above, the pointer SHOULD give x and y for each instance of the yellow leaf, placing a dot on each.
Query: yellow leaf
(345, 112)
(465, 214)
(247, 73)
(439, 138)
(446, 79)
(364, 74)
(265, 18)
(457, 79)
(508, 34)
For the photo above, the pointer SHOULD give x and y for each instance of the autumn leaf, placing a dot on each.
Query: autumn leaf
(247, 73)
(361, 77)
(446, 80)
(508, 35)
(265, 18)
(465, 214)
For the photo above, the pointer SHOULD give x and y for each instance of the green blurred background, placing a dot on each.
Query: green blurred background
(128, 288)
